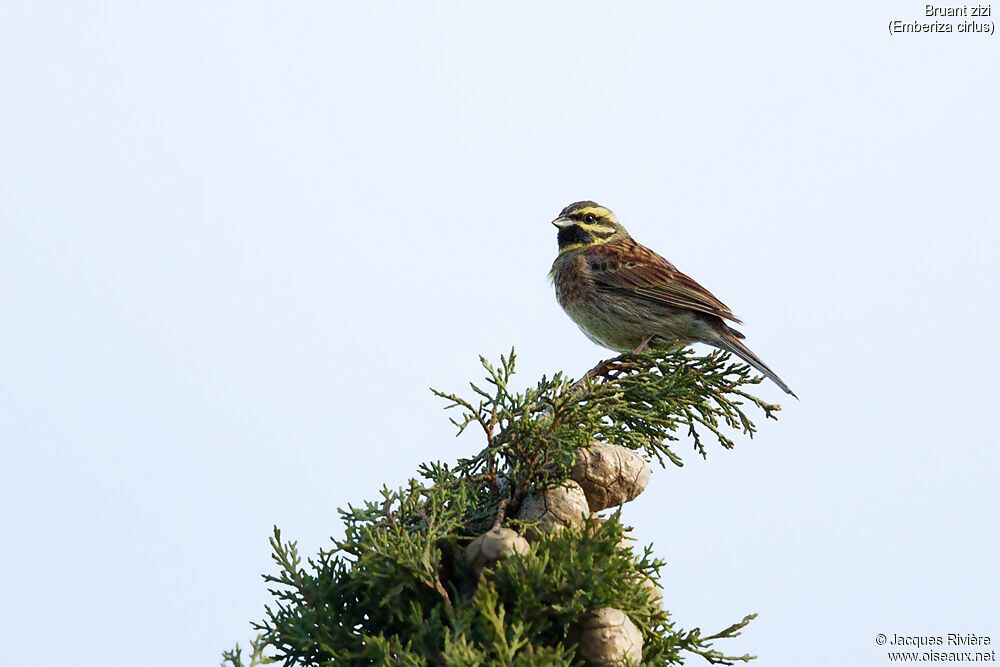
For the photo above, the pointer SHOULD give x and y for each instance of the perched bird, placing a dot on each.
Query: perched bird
(626, 297)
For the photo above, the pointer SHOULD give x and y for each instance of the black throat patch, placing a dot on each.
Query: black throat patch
(573, 236)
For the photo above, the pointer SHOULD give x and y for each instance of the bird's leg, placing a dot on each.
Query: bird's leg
(606, 368)
(644, 344)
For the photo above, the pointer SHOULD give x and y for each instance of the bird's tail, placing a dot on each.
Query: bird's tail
(730, 343)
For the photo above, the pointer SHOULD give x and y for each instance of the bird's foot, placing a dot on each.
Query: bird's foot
(602, 369)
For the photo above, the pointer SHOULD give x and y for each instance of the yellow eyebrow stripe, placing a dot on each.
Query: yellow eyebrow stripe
(599, 211)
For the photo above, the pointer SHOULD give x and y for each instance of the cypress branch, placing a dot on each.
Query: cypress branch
(397, 588)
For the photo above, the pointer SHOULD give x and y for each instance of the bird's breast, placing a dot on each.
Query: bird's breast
(572, 282)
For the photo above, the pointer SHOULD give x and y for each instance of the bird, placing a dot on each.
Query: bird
(627, 298)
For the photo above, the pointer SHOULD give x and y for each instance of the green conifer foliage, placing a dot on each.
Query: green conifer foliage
(397, 589)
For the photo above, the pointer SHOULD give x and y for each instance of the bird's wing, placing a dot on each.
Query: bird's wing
(631, 269)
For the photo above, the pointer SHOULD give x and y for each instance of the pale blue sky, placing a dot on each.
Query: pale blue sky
(238, 241)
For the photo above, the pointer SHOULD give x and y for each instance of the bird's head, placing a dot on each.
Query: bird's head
(586, 223)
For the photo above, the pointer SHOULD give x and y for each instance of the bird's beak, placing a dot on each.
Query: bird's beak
(563, 223)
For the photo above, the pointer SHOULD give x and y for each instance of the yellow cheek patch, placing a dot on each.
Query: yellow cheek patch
(596, 228)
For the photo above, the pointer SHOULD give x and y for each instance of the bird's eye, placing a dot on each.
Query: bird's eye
(590, 217)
